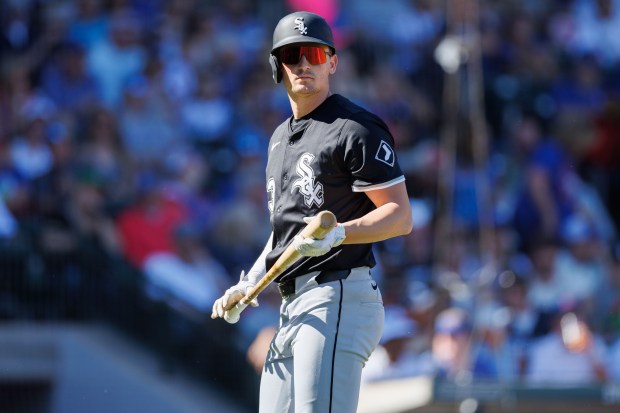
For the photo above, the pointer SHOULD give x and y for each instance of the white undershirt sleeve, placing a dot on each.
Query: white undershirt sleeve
(259, 269)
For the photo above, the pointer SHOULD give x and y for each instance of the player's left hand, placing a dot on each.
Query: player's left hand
(309, 247)
(232, 296)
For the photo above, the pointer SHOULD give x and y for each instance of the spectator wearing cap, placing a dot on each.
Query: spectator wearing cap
(544, 288)
(596, 30)
(30, 152)
(90, 24)
(147, 124)
(451, 346)
(208, 115)
(513, 294)
(67, 82)
(581, 266)
(570, 354)
(544, 200)
(101, 155)
(29, 149)
(147, 225)
(52, 189)
(122, 54)
(422, 306)
(496, 356)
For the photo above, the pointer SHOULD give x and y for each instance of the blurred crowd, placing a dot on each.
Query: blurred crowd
(133, 139)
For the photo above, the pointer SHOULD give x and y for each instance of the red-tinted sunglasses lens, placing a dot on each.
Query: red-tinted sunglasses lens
(314, 55)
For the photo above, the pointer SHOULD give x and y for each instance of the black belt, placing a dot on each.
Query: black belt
(287, 287)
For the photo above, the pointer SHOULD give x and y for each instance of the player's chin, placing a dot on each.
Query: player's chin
(305, 88)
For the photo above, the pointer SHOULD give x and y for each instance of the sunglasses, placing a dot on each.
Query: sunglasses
(315, 55)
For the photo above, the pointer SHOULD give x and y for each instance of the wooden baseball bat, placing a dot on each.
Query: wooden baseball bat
(318, 228)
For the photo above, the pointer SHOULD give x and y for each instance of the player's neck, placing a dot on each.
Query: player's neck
(301, 105)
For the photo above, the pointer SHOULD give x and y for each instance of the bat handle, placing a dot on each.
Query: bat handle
(232, 316)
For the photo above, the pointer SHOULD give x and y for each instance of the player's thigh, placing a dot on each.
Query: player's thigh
(276, 387)
(313, 353)
(330, 350)
(361, 326)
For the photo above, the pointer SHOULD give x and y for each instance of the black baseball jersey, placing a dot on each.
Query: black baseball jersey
(326, 161)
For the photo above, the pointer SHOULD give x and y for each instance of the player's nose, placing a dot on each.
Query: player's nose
(303, 61)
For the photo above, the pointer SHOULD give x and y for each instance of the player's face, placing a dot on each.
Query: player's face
(307, 67)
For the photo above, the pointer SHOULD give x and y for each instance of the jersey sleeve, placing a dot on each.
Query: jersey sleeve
(370, 156)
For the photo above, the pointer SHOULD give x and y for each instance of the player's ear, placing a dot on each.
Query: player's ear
(276, 72)
(333, 64)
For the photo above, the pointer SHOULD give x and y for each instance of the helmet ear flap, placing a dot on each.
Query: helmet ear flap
(276, 72)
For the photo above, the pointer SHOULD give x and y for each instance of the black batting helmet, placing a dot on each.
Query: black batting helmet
(299, 27)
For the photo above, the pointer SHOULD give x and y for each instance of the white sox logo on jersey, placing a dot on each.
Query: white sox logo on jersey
(313, 193)
(299, 25)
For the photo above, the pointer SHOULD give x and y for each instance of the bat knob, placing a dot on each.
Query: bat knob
(231, 319)
(327, 219)
(232, 316)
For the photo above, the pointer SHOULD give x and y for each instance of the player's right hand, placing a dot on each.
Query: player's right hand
(232, 296)
(309, 247)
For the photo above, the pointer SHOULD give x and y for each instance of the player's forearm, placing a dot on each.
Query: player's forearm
(389, 220)
(259, 268)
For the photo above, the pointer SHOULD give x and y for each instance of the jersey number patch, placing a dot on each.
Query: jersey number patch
(311, 190)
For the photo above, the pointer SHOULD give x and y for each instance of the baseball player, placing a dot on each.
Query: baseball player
(329, 155)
